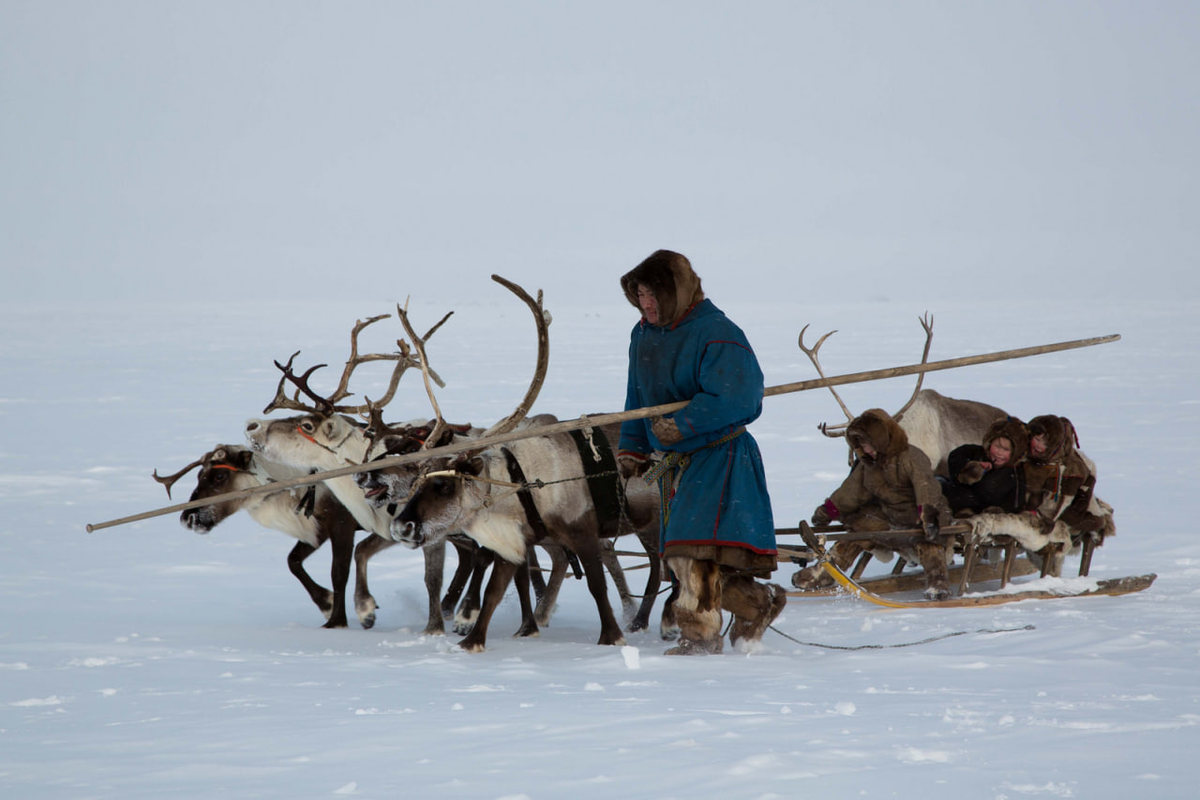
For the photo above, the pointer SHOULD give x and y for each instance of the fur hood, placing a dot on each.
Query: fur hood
(1060, 438)
(670, 276)
(1015, 431)
(884, 434)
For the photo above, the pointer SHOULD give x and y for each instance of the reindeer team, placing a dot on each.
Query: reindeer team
(481, 500)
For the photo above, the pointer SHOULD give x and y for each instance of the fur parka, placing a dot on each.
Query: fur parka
(973, 488)
(898, 479)
(1061, 481)
(720, 510)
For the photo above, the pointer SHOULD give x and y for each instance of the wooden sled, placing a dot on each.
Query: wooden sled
(971, 571)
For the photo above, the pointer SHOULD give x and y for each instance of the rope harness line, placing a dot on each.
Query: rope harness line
(901, 644)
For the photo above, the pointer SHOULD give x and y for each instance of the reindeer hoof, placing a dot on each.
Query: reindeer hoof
(366, 612)
(465, 623)
(471, 646)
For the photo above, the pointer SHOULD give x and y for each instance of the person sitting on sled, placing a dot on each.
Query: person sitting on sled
(991, 476)
(890, 487)
(1061, 480)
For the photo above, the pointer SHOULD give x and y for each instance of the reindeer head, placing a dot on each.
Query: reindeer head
(224, 469)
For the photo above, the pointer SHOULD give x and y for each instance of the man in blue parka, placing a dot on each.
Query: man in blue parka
(717, 532)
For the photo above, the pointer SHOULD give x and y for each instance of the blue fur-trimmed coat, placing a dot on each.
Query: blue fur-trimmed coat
(704, 358)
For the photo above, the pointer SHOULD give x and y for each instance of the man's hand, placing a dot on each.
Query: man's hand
(666, 431)
(631, 464)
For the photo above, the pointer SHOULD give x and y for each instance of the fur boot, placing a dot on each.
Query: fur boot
(937, 578)
(754, 607)
(698, 607)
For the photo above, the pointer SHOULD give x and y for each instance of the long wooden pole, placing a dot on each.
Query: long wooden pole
(605, 419)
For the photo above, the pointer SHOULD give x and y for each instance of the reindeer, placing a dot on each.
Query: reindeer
(640, 516)
(456, 494)
(313, 516)
(391, 486)
(936, 424)
(325, 437)
(385, 488)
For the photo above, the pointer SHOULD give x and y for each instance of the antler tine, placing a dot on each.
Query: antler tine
(322, 406)
(812, 356)
(926, 321)
(170, 480)
(293, 403)
(542, 320)
(376, 428)
(403, 360)
(342, 391)
(419, 343)
(433, 330)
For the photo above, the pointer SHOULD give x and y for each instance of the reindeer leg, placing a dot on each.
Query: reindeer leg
(468, 611)
(364, 603)
(613, 565)
(529, 626)
(558, 571)
(502, 575)
(435, 567)
(535, 575)
(588, 550)
(319, 594)
(342, 543)
(641, 620)
(466, 549)
(668, 626)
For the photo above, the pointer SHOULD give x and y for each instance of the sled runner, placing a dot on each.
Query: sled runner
(967, 542)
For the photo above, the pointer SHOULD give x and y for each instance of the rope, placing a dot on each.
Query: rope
(902, 644)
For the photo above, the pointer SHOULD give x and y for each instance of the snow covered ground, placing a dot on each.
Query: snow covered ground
(146, 661)
(190, 190)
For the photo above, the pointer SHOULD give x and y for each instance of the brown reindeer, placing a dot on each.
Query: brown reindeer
(312, 515)
(389, 488)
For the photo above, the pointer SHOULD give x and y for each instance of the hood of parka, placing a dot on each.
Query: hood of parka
(675, 284)
(876, 427)
(1015, 431)
(1060, 438)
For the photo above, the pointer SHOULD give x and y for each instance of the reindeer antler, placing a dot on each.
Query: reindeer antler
(825, 427)
(926, 321)
(170, 480)
(301, 383)
(542, 319)
(330, 405)
(419, 344)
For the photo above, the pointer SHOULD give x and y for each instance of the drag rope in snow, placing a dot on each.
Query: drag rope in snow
(902, 644)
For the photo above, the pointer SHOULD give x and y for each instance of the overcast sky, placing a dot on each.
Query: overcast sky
(909, 151)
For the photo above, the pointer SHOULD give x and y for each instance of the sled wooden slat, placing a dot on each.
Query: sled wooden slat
(915, 581)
